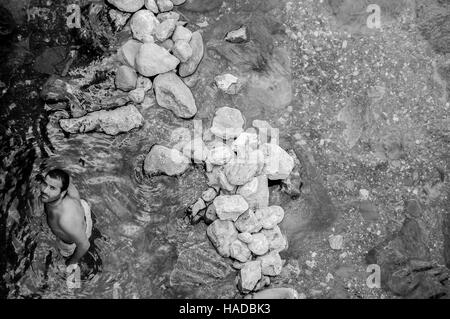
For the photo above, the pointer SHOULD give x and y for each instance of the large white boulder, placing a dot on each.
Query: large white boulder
(152, 60)
(270, 216)
(256, 192)
(173, 94)
(277, 241)
(227, 123)
(230, 207)
(248, 223)
(271, 264)
(259, 244)
(143, 24)
(163, 160)
(249, 275)
(222, 234)
(120, 120)
(278, 163)
(240, 251)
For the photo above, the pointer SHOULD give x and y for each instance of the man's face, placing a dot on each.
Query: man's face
(50, 190)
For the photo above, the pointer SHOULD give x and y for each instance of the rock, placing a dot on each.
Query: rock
(256, 192)
(271, 264)
(153, 59)
(220, 155)
(209, 195)
(182, 50)
(162, 160)
(196, 150)
(168, 45)
(259, 244)
(188, 68)
(144, 83)
(55, 89)
(164, 5)
(336, 242)
(151, 5)
(227, 123)
(165, 29)
(178, 2)
(230, 207)
(237, 36)
(404, 258)
(249, 276)
(182, 33)
(239, 171)
(270, 216)
(168, 15)
(173, 94)
(143, 24)
(119, 18)
(245, 237)
(197, 207)
(277, 242)
(263, 282)
(210, 215)
(222, 234)
(240, 251)
(198, 264)
(126, 78)
(137, 95)
(278, 163)
(248, 223)
(432, 18)
(127, 52)
(127, 5)
(225, 81)
(277, 293)
(245, 143)
(292, 184)
(217, 179)
(120, 120)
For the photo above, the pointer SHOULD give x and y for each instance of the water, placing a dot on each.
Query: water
(139, 225)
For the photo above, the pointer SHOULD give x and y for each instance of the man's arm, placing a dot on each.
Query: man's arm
(72, 191)
(72, 226)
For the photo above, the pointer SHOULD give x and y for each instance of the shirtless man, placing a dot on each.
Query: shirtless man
(68, 216)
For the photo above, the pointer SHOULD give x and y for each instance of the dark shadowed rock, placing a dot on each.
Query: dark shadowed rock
(433, 17)
(404, 258)
(198, 262)
(55, 89)
(113, 122)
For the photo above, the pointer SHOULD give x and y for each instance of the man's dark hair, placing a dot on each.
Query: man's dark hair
(62, 176)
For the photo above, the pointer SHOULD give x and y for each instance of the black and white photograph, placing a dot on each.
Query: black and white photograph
(242, 151)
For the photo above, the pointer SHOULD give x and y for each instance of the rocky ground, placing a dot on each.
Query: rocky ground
(365, 111)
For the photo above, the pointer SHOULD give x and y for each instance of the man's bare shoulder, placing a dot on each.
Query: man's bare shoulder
(72, 211)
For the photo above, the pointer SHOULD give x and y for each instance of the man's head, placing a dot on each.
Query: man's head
(54, 185)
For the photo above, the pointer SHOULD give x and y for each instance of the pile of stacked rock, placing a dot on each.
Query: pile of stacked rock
(238, 164)
(161, 48)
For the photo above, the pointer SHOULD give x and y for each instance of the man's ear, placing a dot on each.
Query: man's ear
(63, 193)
